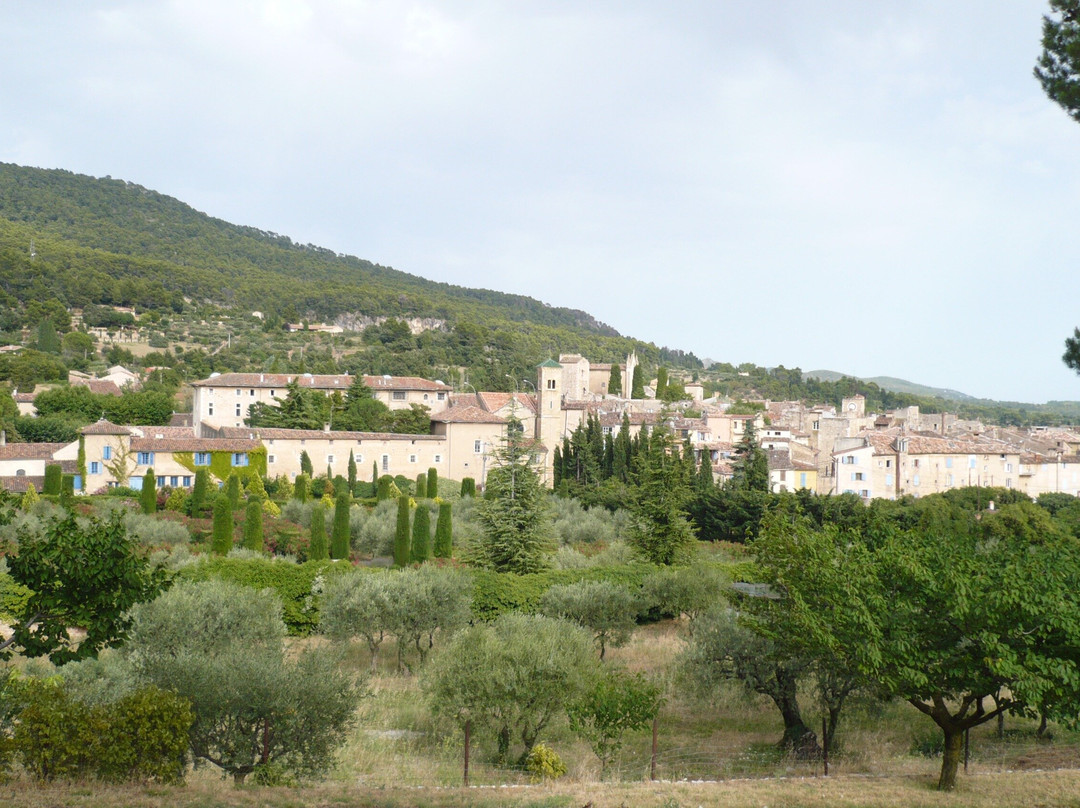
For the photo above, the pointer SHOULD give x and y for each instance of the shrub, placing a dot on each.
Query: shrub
(176, 501)
(544, 763)
(53, 477)
(154, 531)
(144, 737)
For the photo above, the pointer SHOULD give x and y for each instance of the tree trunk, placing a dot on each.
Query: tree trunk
(798, 737)
(950, 760)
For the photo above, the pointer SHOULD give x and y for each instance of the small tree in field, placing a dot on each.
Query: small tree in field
(421, 535)
(317, 548)
(253, 526)
(339, 545)
(223, 526)
(148, 494)
(605, 608)
(616, 703)
(401, 533)
(444, 536)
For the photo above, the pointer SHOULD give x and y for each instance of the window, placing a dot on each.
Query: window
(438, 459)
(849, 460)
(888, 464)
(865, 493)
(210, 409)
(238, 392)
(915, 462)
(145, 458)
(239, 458)
(211, 391)
(237, 410)
(202, 458)
(915, 480)
(441, 396)
(187, 481)
(816, 425)
(971, 461)
(783, 475)
(950, 479)
(161, 482)
(271, 459)
(273, 394)
(888, 479)
(1008, 482)
(477, 446)
(948, 462)
(802, 479)
(330, 460)
(20, 472)
(1008, 467)
(386, 462)
(174, 481)
(550, 384)
(106, 453)
(95, 467)
(398, 395)
(857, 475)
(425, 396)
(412, 458)
(252, 393)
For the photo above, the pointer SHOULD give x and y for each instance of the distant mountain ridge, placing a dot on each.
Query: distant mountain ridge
(893, 385)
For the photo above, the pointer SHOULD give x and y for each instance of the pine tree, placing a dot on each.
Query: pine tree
(421, 486)
(751, 472)
(253, 525)
(232, 490)
(317, 549)
(444, 535)
(148, 494)
(339, 544)
(48, 341)
(198, 493)
(305, 464)
(300, 490)
(421, 535)
(432, 483)
(614, 383)
(352, 472)
(637, 386)
(401, 533)
(660, 530)
(223, 526)
(53, 475)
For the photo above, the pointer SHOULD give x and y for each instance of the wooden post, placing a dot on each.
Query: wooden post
(652, 760)
(468, 738)
(825, 743)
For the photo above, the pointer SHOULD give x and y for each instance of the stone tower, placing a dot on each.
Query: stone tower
(549, 415)
(628, 378)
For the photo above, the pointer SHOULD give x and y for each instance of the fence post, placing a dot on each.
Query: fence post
(652, 760)
(468, 737)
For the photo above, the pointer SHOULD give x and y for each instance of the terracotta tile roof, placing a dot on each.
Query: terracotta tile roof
(467, 414)
(24, 398)
(181, 419)
(335, 381)
(30, 451)
(20, 485)
(270, 433)
(105, 427)
(102, 387)
(779, 460)
(193, 444)
(496, 401)
(636, 418)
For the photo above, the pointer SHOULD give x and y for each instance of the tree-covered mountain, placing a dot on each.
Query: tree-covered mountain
(82, 240)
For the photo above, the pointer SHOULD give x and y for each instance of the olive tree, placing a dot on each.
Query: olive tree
(606, 609)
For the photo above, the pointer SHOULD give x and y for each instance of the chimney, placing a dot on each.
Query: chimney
(326, 428)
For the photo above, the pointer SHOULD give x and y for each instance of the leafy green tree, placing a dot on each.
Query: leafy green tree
(53, 475)
(511, 677)
(48, 341)
(1058, 67)
(305, 464)
(223, 526)
(148, 492)
(661, 531)
(359, 604)
(339, 544)
(317, 547)
(232, 490)
(513, 513)
(421, 535)
(444, 537)
(427, 600)
(603, 607)
(401, 533)
(84, 574)
(198, 501)
(253, 525)
(616, 703)
(257, 710)
(1006, 630)
(689, 591)
(432, 483)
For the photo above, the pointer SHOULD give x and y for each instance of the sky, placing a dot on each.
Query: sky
(871, 188)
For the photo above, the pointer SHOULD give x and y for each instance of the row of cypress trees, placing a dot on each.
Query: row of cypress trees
(412, 545)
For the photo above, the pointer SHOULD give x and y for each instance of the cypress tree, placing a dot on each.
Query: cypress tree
(53, 476)
(305, 464)
(432, 483)
(468, 487)
(614, 382)
(421, 534)
(317, 550)
(661, 381)
(80, 461)
(401, 533)
(444, 537)
(232, 490)
(637, 384)
(300, 490)
(352, 472)
(67, 490)
(339, 545)
(253, 525)
(148, 494)
(556, 467)
(198, 493)
(223, 526)
(374, 474)
(421, 486)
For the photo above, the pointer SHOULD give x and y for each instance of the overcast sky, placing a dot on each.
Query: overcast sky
(873, 188)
